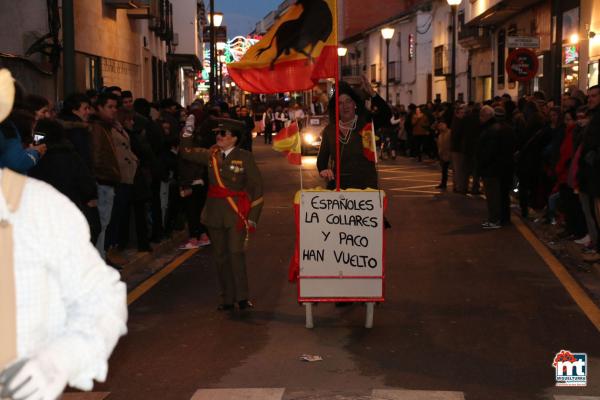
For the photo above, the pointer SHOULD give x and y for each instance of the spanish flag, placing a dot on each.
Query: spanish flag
(288, 141)
(368, 142)
(298, 50)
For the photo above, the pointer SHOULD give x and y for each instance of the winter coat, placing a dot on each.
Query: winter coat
(12, 153)
(496, 146)
(128, 162)
(63, 168)
(444, 145)
(78, 133)
(589, 163)
(105, 166)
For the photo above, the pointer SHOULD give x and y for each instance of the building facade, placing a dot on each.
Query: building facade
(145, 46)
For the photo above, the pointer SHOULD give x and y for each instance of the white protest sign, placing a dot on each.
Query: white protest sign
(341, 244)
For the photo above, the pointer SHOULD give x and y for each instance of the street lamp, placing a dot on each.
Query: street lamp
(453, 7)
(342, 51)
(218, 18)
(387, 34)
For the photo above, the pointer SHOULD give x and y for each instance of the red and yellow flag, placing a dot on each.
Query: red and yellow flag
(287, 141)
(298, 50)
(368, 141)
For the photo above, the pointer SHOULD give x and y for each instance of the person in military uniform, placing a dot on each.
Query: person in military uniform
(233, 206)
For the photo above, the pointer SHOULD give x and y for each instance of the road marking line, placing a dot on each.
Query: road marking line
(239, 394)
(582, 299)
(154, 279)
(385, 394)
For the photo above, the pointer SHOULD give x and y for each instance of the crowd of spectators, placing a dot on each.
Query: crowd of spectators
(542, 153)
(116, 158)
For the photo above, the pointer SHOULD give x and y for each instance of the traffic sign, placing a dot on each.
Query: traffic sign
(527, 42)
(522, 65)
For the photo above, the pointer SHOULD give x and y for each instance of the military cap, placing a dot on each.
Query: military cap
(227, 124)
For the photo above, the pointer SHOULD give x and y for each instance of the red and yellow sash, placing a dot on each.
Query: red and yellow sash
(241, 207)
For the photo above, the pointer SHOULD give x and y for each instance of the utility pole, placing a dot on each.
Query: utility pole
(213, 48)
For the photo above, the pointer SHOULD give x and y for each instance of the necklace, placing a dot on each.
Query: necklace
(347, 128)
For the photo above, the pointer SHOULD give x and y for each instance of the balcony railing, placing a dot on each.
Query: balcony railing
(352, 70)
(474, 37)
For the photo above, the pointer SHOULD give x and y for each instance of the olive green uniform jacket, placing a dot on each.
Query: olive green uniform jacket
(239, 173)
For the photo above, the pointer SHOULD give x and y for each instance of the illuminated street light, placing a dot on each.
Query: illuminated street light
(218, 18)
(388, 34)
(221, 46)
(453, 7)
(342, 51)
(574, 38)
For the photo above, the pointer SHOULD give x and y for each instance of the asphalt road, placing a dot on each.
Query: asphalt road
(469, 313)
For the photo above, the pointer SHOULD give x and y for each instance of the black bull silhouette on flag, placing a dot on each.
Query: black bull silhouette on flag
(314, 25)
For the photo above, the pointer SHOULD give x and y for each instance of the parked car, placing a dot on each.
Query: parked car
(311, 131)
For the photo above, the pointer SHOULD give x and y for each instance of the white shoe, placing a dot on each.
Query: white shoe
(586, 240)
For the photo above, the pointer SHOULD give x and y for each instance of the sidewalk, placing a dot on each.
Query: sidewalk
(142, 266)
(569, 254)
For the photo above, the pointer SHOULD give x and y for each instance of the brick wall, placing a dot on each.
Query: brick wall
(360, 15)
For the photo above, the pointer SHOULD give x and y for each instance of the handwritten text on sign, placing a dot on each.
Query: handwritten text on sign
(341, 233)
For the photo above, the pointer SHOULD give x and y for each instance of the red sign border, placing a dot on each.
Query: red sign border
(514, 54)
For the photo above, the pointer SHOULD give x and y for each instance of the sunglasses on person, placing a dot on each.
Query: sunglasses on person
(222, 133)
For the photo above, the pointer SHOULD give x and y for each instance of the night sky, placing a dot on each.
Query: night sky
(241, 16)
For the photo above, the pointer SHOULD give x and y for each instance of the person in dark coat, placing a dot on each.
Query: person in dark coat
(245, 117)
(356, 170)
(495, 156)
(64, 169)
(74, 119)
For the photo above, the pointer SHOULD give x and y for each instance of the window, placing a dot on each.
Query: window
(438, 60)
(93, 74)
(373, 73)
(391, 71)
(501, 56)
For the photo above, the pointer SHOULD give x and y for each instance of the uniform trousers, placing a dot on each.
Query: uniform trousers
(228, 245)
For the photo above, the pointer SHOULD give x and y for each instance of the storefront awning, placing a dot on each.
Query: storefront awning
(183, 60)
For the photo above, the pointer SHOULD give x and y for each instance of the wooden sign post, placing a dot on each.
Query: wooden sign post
(341, 248)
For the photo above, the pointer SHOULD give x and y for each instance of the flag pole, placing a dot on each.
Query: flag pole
(337, 108)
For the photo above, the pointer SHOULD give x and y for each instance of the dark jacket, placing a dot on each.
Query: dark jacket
(63, 168)
(78, 133)
(356, 170)
(458, 137)
(589, 163)
(496, 146)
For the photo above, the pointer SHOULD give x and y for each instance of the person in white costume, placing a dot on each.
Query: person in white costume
(62, 309)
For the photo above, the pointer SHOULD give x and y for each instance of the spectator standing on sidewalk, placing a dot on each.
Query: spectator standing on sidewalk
(444, 144)
(495, 163)
(589, 161)
(63, 168)
(193, 184)
(248, 121)
(106, 168)
(457, 147)
(128, 165)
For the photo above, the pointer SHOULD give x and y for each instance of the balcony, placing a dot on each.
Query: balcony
(352, 70)
(128, 4)
(474, 37)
